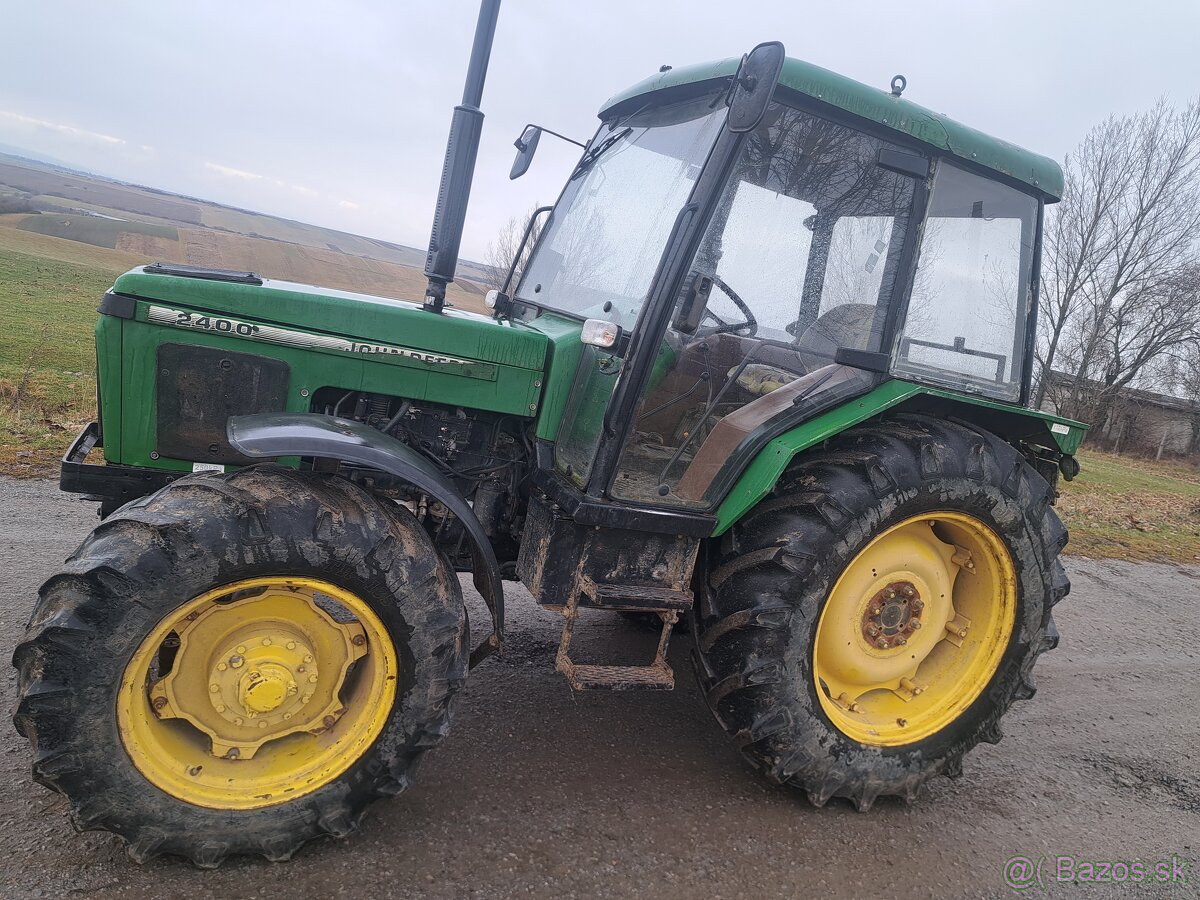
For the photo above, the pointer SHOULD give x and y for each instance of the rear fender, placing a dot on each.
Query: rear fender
(272, 435)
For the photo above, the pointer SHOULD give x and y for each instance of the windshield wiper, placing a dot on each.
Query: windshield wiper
(596, 152)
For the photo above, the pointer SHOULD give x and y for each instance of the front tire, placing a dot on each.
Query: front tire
(871, 621)
(240, 663)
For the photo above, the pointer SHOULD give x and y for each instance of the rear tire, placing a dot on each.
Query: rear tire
(137, 573)
(770, 579)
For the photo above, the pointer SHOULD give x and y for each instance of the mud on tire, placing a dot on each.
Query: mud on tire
(199, 533)
(768, 578)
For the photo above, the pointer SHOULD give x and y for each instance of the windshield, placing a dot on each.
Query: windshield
(604, 240)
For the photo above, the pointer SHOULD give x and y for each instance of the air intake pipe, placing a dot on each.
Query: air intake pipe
(462, 147)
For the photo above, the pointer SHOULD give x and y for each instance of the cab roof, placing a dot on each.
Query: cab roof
(879, 106)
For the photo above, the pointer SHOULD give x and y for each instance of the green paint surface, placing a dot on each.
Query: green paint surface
(501, 368)
(562, 362)
(766, 468)
(878, 106)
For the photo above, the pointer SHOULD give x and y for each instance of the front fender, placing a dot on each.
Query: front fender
(271, 435)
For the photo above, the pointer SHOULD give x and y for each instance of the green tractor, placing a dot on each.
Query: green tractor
(767, 367)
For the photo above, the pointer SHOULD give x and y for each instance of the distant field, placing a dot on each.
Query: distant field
(56, 265)
(52, 248)
(36, 180)
(103, 232)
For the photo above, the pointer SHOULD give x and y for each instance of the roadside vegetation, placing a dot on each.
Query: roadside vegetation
(1133, 508)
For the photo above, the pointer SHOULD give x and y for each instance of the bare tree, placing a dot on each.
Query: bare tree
(1181, 375)
(1077, 239)
(504, 249)
(1126, 339)
(1121, 254)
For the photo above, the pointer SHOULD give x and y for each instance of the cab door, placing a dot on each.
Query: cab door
(804, 256)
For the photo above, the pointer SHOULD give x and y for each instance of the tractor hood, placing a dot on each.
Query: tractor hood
(275, 311)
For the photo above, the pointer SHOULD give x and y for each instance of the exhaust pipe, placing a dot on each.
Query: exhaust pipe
(462, 147)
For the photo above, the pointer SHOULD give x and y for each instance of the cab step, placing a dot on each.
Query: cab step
(620, 678)
(632, 597)
(657, 676)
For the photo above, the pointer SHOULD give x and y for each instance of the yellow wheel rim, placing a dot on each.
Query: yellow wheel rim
(258, 692)
(914, 629)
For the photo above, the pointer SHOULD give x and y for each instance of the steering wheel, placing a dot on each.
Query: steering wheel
(748, 327)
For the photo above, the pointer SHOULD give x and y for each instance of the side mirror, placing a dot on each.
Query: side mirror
(526, 146)
(753, 85)
(695, 301)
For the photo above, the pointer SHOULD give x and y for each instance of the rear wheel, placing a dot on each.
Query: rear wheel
(239, 663)
(870, 622)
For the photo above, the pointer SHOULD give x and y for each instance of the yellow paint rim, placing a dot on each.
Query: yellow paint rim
(915, 629)
(257, 692)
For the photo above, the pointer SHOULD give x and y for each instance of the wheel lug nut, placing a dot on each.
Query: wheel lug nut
(900, 642)
(313, 678)
(909, 591)
(221, 667)
(902, 722)
(214, 688)
(882, 643)
(308, 658)
(241, 649)
(266, 642)
(291, 645)
(915, 624)
(237, 661)
(358, 640)
(160, 702)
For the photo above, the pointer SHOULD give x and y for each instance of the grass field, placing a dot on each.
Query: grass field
(1133, 508)
(47, 357)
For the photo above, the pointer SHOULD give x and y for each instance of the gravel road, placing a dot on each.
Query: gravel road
(539, 792)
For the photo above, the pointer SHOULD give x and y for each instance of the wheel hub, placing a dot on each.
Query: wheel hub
(263, 676)
(278, 672)
(892, 615)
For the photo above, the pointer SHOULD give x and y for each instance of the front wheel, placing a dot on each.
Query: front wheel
(239, 663)
(873, 619)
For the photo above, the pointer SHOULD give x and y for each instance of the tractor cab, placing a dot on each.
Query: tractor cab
(743, 282)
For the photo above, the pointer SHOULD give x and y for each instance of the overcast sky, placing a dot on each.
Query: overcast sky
(336, 112)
